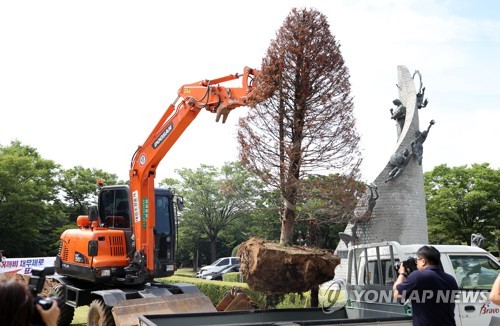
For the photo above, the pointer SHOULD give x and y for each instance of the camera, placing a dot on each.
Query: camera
(409, 264)
(35, 285)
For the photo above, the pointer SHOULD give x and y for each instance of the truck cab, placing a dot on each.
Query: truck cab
(372, 273)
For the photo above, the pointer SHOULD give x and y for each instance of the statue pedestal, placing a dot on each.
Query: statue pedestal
(400, 211)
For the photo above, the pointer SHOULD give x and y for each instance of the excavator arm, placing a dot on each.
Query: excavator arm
(205, 94)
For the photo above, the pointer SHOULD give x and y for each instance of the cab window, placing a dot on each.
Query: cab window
(474, 271)
(163, 218)
(114, 208)
(373, 276)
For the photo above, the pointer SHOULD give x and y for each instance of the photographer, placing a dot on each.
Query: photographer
(422, 288)
(16, 306)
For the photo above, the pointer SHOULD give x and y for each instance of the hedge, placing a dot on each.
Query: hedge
(215, 291)
(232, 277)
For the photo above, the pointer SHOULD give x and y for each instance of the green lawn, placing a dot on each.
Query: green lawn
(188, 272)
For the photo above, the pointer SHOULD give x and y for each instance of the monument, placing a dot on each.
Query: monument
(393, 208)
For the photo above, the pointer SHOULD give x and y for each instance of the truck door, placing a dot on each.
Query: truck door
(370, 277)
(475, 274)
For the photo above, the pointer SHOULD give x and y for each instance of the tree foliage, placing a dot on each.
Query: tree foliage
(303, 122)
(79, 188)
(462, 201)
(261, 221)
(39, 200)
(329, 199)
(327, 203)
(28, 186)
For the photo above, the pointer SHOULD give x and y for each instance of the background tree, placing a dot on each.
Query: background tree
(328, 203)
(28, 186)
(261, 221)
(304, 122)
(462, 201)
(215, 198)
(79, 188)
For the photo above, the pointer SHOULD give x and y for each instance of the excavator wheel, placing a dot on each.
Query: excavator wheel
(66, 312)
(100, 314)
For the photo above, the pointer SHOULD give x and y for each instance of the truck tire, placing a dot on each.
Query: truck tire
(100, 314)
(66, 312)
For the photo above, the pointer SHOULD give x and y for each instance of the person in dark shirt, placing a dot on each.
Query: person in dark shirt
(430, 290)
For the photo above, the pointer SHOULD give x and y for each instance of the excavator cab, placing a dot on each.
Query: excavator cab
(114, 211)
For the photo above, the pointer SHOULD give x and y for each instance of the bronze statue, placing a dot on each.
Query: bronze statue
(398, 163)
(346, 237)
(417, 145)
(372, 201)
(421, 103)
(400, 113)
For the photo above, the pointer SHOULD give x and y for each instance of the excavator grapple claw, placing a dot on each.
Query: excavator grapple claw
(235, 299)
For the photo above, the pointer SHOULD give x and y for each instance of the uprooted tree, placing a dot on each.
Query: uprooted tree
(303, 123)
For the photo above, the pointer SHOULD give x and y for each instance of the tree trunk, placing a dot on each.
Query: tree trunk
(195, 260)
(213, 250)
(313, 234)
(287, 226)
(315, 296)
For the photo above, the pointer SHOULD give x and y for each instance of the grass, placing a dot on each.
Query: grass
(187, 272)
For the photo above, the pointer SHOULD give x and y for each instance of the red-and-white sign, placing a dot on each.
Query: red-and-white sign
(24, 265)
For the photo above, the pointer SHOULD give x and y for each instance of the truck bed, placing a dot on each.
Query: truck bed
(306, 316)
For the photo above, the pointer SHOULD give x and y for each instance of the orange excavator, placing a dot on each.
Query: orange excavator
(111, 260)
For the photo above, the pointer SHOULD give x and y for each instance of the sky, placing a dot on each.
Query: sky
(85, 82)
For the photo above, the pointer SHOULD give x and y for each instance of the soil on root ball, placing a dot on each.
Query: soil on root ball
(273, 269)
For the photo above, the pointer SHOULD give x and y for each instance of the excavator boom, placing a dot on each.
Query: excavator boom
(205, 94)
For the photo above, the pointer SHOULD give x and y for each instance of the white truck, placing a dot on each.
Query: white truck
(368, 286)
(371, 275)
